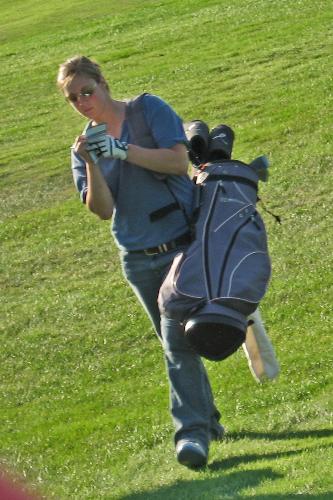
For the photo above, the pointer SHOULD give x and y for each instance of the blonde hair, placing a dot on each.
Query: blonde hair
(79, 65)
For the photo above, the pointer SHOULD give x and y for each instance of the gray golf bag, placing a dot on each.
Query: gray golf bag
(214, 285)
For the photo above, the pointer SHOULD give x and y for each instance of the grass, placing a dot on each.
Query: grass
(84, 395)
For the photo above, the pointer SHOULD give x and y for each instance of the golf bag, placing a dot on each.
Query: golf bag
(218, 281)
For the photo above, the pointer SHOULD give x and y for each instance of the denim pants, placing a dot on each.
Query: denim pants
(191, 401)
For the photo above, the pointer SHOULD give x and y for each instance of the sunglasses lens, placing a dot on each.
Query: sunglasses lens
(86, 93)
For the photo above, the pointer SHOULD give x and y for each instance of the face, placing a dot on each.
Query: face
(87, 96)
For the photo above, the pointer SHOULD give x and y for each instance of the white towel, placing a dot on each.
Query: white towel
(259, 350)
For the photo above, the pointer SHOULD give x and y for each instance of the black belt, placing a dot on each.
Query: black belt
(184, 239)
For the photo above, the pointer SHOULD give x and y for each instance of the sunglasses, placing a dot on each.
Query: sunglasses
(85, 93)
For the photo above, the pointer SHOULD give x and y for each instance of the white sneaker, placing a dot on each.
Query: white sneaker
(191, 453)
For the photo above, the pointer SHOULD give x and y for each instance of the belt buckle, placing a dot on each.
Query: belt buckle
(163, 248)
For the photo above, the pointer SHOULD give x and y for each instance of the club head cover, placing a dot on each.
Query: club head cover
(260, 166)
(197, 133)
(221, 139)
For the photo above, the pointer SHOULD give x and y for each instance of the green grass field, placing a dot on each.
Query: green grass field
(84, 396)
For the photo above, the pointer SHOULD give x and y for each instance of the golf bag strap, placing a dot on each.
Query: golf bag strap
(141, 135)
(137, 124)
(162, 212)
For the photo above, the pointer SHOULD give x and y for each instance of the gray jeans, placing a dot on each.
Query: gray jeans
(191, 401)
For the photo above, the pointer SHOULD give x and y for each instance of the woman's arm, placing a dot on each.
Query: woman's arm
(99, 198)
(172, 160)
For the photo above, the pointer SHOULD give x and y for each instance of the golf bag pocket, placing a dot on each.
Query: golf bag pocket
(248, 272)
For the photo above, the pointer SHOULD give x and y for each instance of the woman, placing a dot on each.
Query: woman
(141, 178)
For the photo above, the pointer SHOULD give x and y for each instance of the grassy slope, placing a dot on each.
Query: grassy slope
(84, 396)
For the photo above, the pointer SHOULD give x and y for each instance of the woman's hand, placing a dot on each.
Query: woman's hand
(80, 148)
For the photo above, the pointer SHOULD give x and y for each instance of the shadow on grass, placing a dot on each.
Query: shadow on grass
(231, 485)
(275, 436)
(228, 463)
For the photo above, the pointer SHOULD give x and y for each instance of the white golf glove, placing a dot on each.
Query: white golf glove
(93, 156)
(106, 146)
(92, 134)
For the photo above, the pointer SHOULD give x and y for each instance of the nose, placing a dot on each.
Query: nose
(80, 101)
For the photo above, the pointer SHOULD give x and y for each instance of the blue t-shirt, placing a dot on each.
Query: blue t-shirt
(138, 192)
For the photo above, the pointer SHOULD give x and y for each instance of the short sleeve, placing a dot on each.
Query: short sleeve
(165, 124)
